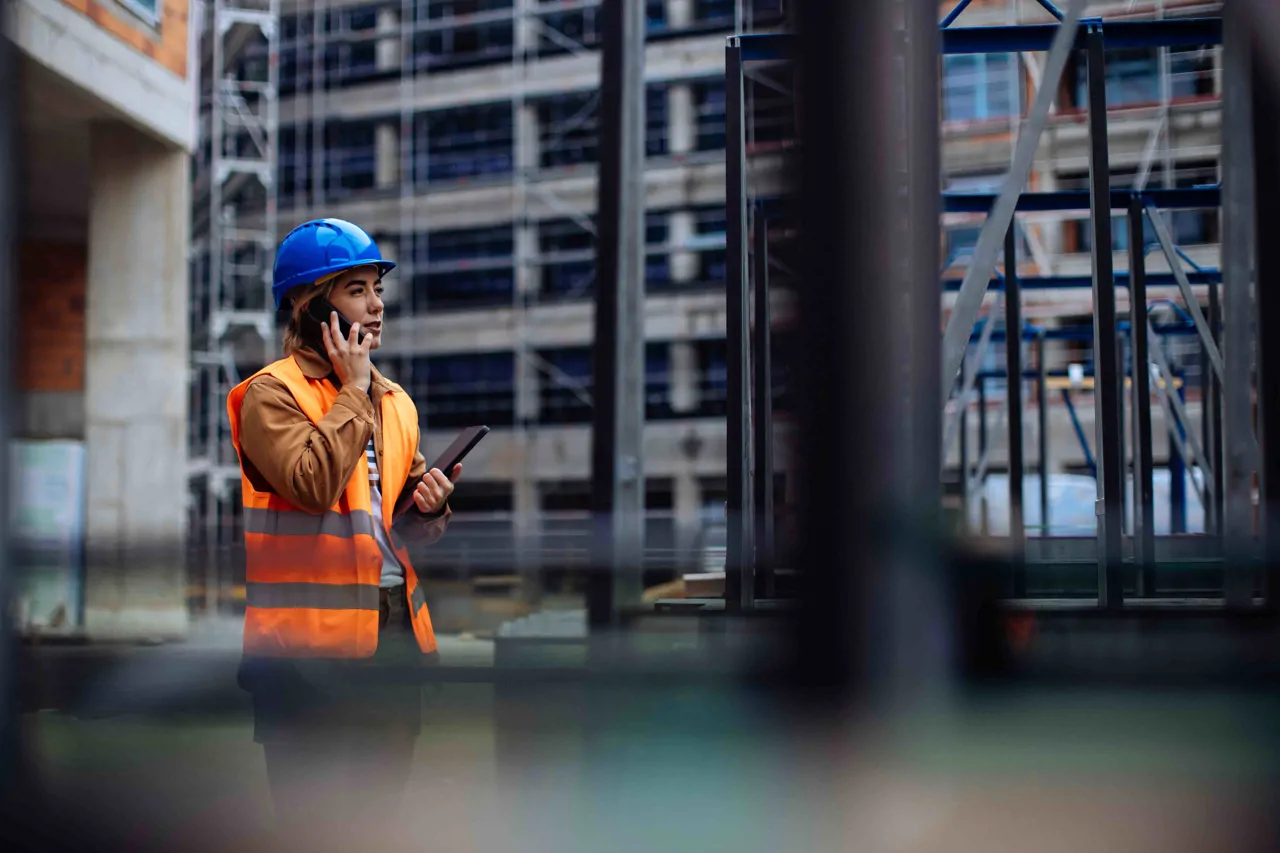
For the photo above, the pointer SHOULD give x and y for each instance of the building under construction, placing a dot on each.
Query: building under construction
(463, 135)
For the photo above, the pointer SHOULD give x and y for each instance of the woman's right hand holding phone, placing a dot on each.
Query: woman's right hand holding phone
(349, 355)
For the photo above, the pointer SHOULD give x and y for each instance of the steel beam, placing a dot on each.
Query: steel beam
(1143, 496)
(1180, 276)
(1065, 201)
(1240, 545)
(1042, 452)
(762, 407)
(739, 558)
(1266, 146)
(1212, 406)
(991, 237)
(1107, 393)
(1013, 391)
(617, 473)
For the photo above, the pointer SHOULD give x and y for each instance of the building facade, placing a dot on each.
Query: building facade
(105, 130)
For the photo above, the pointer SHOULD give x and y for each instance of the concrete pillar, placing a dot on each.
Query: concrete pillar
(526, 35)
(526, 246)
(136, 387)
(680, 230)
(388, 48)
(528, 145)
(683, 366)
(682, 119)
(679, 14)
(687, 498)
(528, 383)
(386, 147)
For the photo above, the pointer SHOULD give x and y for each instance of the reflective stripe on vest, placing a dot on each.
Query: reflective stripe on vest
(317, 596)
(312, 579)
(289, 522)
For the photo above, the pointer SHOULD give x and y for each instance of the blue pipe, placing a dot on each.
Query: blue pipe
(1051, 9)
(955, 13)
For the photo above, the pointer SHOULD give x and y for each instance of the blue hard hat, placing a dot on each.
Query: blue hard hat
(320, 248)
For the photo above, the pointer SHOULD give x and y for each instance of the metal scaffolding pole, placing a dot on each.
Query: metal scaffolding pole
(1238, 307)
(1266, 147)
(1106, 372)
(1013, 391)
(762, 406)
(1042, 451)
(871, 232)
(1143, 496)
(617, 475)
(739, 588)
(9, 735)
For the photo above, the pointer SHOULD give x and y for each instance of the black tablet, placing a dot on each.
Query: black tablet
(461, 446)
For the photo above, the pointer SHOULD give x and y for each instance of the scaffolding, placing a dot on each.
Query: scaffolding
(233, 243)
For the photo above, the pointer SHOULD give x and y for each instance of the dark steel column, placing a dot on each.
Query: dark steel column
(1013, 387)
(617, 475)
(1213, 414)
(984, 525)
(1042, 452)
(1143, 500)
(1106, 368)
(1266, 147)
(762, 407)
(964, 453)
(739, 582)
(1177, 476)
(9, 159)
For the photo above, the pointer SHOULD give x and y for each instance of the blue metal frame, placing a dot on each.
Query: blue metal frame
(1175, 32)
(1076, 282)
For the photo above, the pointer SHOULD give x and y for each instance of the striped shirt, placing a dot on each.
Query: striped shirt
(392, 571)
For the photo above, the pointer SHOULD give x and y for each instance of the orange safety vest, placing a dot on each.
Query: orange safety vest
(312, 580)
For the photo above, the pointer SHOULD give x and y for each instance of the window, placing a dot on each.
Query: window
(773, 117)
(564, 385)
(1187, 227)
(709, 115)
(294, 165)
(1132, 77)
(657, 380)
(568, 259)
(714, 13)
(709, 226)
(977, 87)
(465, 42)
(454, 391)
(349, 54)
(464, 142)
(460, 268)
(713, 378)
(962, 239)
(568, 129)
(563, 32)
(657, 260)
(350, 159)
(655, 121)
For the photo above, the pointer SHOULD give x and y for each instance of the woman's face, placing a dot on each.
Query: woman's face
(357, 293)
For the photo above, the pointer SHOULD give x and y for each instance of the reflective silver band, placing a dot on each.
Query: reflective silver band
(278, 522)
(313, 596)
(417, 599)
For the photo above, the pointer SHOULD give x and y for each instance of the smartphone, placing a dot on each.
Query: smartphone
(461, 446)
(319, 311)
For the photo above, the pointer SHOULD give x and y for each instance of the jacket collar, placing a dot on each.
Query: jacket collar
(317, 367)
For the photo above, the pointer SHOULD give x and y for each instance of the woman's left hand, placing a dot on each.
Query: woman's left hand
(432, 494)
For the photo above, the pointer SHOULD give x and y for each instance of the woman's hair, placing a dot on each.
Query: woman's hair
(300, 297)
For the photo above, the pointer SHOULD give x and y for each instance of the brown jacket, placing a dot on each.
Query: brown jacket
(309, 464)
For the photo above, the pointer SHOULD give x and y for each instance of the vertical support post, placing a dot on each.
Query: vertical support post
(984, 519)
(739, 586)
(1238, 155)
(617, 476)
(1213, 411)
(1110, 469)
(1266, 145)
(964, 453)
(1013, 388)
(9, 105)
(1143, 500)
(763, 409)
(1177, 474)
(1042, 452)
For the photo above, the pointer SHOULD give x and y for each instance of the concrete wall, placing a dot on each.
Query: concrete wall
(136, 387)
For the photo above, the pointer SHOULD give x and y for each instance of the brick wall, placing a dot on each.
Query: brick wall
(165, 42)
(51, 331)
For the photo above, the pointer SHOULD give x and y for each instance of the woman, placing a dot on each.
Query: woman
(333, 484)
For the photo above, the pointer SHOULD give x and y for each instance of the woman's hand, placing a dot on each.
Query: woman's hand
(349, 356)
(433, 492)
